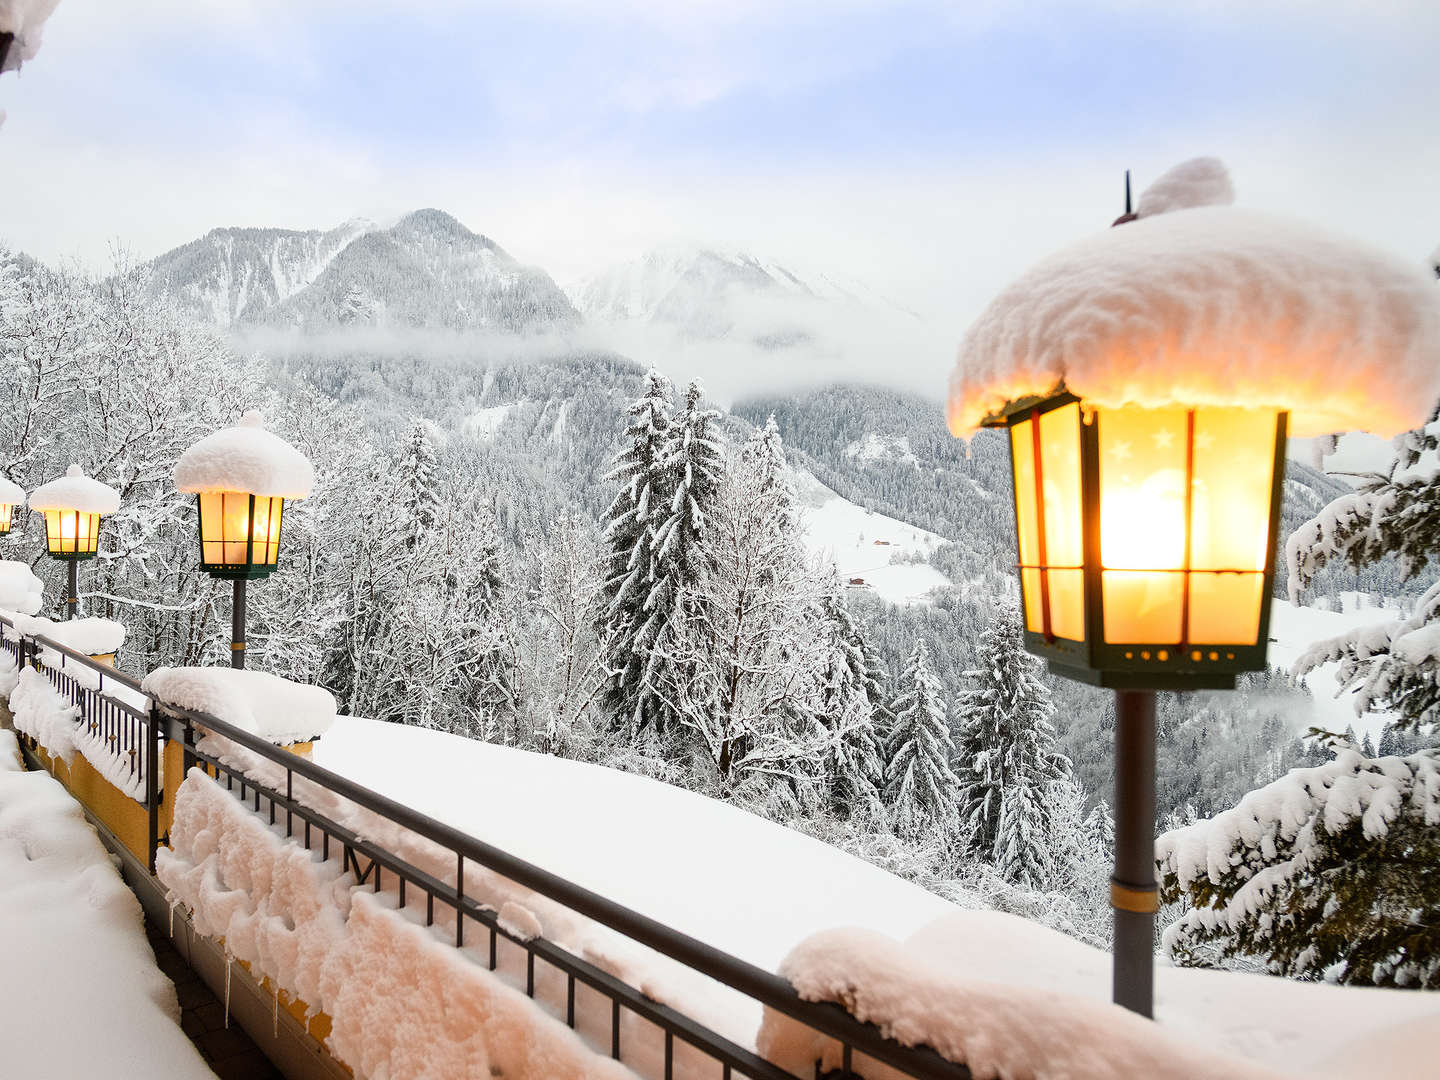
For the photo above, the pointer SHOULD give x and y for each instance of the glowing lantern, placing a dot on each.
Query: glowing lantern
(12, 497)
(73, 506)
(1146, 538)
(1148, 378)
(241, 477)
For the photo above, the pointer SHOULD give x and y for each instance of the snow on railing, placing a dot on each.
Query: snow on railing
(309, 913)
(628, 988)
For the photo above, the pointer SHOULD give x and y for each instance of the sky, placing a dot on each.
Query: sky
(932, 150)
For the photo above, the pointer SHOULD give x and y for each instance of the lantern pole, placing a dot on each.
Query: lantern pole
(1132, 888)
(72, 597)
(237, 625)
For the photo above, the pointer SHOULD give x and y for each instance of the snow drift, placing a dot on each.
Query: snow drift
(255, 701)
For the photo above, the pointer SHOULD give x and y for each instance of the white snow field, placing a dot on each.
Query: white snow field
(80, 995)
(861, 544)
(484, 423)
(759, 890)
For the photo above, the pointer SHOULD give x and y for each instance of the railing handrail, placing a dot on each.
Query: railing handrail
(113, 674)
(754, 982)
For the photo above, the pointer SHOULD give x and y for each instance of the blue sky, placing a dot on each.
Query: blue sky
(929, 148)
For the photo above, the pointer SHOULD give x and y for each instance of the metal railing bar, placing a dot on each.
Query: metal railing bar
(754, 982)
(597, 979)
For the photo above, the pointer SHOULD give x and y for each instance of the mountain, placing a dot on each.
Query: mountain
(427, 271)
(709, 293)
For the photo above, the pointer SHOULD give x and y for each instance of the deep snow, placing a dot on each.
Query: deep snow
(80, 995)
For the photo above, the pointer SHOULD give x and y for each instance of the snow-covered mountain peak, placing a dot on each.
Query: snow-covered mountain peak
(425, 270)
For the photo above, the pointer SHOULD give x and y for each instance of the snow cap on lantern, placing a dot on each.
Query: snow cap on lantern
(1199, 303)
(73, 506)
(12, 497)
(245, 458)
(241, 477)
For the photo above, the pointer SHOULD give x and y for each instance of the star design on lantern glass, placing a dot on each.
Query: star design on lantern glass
(1120, 451)
(1164, 439)
(1204, 441)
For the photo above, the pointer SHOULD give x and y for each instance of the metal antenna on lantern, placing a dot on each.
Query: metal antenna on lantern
(1129, 214)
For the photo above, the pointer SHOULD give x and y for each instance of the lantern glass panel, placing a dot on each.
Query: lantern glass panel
(71, 532)
(7, 516)
(1185, 523)
(230, 537)
(1050, 522)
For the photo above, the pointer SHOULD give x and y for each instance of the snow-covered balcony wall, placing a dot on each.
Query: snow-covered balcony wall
(85, 723)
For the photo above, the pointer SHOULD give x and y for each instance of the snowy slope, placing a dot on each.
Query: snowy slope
(863, 544)
(484, 423)
(650, 846)
(232, 274)
(73, 956)
(1294, 629)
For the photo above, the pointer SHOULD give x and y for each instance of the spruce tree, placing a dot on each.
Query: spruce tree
(852, 705)
(1390, 667)
(419, 481)
(695, 466)
(1329, 872)
(919, 784)
(642, 502)
(1007, 760)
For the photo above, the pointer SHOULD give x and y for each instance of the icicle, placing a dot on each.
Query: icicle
(174, 903)
(274, 1010)
(228, 959)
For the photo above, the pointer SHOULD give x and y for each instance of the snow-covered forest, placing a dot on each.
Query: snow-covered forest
(556, 550)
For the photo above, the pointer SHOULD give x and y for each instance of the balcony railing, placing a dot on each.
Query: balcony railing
(275, 786)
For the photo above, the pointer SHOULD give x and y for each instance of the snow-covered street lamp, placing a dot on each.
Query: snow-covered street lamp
(12, 498)
(1148, 378)
(241, 477)
(73, 506)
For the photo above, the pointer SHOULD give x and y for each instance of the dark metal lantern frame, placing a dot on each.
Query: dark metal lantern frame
(1152, 665)
(262, 557)
(55, 542)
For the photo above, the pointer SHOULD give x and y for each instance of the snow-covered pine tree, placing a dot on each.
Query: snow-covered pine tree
(695, 464)
(852, 704)
(920, 787)
(1394, 666)
(742, 671)
(641, 503)
(1007, 760)
(418, 482)
(1329, 872)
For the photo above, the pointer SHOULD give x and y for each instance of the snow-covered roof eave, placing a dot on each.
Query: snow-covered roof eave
(1212, 306)
(245, 459)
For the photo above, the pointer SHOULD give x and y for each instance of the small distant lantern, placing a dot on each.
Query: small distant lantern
(1147, 379)
(12, 498)
(73, 506)
(240, 477)
(1147, 538)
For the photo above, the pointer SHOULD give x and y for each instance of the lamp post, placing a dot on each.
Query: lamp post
(73, 506)
(240, 477)
(1146, 543)
(1147, 379)
(12, 498)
